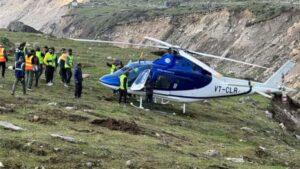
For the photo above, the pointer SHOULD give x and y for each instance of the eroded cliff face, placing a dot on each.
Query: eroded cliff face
(225, 33)
(40, 14)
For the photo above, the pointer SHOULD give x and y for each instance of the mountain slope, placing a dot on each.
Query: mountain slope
(162, 138)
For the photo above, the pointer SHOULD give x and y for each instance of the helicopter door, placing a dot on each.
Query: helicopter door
(141, 80)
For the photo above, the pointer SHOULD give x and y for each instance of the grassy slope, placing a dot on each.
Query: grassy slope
(180, 140)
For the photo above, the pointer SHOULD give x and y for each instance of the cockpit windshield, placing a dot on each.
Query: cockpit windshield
(134, 70)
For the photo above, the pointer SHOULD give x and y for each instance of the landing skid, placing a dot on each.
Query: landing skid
(140, 106)
(155, 101)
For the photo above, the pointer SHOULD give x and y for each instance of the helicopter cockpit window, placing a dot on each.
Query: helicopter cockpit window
(162, 83)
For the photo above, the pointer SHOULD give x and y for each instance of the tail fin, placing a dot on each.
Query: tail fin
(276, 79)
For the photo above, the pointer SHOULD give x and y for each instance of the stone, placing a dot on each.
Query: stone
(268, 114)
(262, 152)
(65, 138)
(57, 149)
(282, 126)
(10, 126)
(1, 165)
(129, 163)
(88, 111)
(236, 160)
(70, 108)
(157, 135)
(36, 118)
(89, 164)
(248, 129)
(86, 76)
(297, 137)
(212, 153)
(52, 104)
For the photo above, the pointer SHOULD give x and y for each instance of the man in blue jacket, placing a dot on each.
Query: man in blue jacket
(78, 80)
(20, 75)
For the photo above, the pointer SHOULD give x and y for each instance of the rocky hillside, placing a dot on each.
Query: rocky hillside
(263, 34)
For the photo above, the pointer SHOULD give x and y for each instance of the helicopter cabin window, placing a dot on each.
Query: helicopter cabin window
(162, 83)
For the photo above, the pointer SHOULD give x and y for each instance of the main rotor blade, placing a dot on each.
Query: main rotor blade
(118, 43)
(159, 41)
(199, 63)
(232, 60)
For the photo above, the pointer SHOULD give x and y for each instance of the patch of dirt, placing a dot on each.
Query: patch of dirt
(120, 125)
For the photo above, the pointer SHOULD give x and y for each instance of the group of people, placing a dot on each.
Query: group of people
(30, 64)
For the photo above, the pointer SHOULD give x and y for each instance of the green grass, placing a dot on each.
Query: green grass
(168, 140)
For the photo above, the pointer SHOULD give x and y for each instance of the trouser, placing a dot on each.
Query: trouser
(36, 77)
(3, 65)
(122, 94)
(41, 69)
(28, 78)
(63, 75)
(68, 75)
(78, 89)
(37, 74)
(17, 80)
(149, 97)
(49, 72)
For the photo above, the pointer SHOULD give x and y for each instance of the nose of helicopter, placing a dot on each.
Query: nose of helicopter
(110, 81)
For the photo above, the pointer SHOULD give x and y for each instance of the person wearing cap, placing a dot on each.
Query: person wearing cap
(49, 61)
(69, 65)
(3, 59)
(19, 75)
(19, 53)
(61, 62)
(113, 66)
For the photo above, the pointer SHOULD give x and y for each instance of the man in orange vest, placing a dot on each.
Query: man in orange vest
(3, 59)
(29, 70)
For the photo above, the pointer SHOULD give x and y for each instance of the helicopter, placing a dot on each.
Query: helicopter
(179, 77)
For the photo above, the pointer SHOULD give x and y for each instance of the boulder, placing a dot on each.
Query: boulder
(212, 153)
(17, 26)
(65, 138)
(10, 126)
(235, 160)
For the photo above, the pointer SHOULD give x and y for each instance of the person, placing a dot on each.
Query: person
(40, 67)
(3, 59)
(49, 61)
(149, 91)
(78, 80)
(69, 65)
(24, 48)
(35, 65)
(113, 66)
(19, 54)
(19, 75)
(45, 50)
(61, 62)
(123, 87)
(29, 70)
